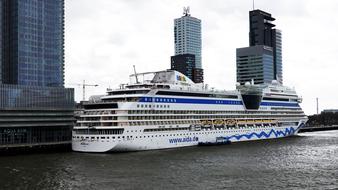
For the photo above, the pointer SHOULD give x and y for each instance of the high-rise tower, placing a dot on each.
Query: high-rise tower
(254, 62)
(188, 41)
(261, 28)
(35, 108)
(33, 42)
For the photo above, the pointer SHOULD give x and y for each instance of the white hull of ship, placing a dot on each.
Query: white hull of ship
(160, 140)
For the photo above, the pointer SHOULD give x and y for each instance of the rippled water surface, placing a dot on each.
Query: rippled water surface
(307, 161)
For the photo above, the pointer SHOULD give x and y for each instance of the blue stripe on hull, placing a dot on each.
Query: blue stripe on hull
(167, 100)
(263, 134)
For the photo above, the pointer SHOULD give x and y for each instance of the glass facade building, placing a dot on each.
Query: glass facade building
(188, 43)
(184, 64)
(255, 63)
(262, 34)
(1, 38)
(35, 108)
(188, 40)
(33, 49)
(35, 97)
(278, 61)
(261, 28)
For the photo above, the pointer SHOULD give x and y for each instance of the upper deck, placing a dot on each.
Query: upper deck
(173, 88)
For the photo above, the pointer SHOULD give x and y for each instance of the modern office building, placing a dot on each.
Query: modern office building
(188, 41)
(198, 75)
(262, 34)
(184, 63)
(255, 63)
(261, 28)
(33, 45)
(35, 108)
(277, 55)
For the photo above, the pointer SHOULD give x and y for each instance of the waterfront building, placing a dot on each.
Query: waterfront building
(262, 33)
(277, 56)
(35, 108)
(188, 41)
(198, 75)
(184, 63)
(261, 28)
(254, 63)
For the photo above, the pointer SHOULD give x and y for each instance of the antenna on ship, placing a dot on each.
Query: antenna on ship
(135, 74)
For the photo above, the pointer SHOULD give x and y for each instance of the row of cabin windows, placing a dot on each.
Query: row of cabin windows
(97, 124)
(98, 118)
(152, 106)
(204, 112)
(102, 112)
(139, 123)
(211, 117)
(166, 129)
(98, 131)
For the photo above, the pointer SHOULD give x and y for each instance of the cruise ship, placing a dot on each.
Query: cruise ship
(165, 109)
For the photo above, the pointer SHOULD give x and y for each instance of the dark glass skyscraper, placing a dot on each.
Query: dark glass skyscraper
(184, 63)
(35, 108)
(261, 28)
(262, 32)
(33, 42)
(251, 63)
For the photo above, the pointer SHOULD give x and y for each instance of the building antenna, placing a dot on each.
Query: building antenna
(186, 11)
(253, 4)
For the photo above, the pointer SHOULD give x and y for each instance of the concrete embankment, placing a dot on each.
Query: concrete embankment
(35, 148)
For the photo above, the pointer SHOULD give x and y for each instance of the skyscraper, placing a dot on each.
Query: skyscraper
(188, 41)
(277, 55)
(33, 42)
(261, 28)
(35, 108)
(263, 35)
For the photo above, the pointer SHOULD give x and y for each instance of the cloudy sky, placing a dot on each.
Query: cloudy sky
(105, 38)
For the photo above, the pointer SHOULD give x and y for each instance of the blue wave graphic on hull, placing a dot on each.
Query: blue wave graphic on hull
(277, 133)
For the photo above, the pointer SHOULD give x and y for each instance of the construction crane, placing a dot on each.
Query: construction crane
(84, 88)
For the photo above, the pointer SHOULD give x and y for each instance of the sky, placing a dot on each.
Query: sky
(105, 38)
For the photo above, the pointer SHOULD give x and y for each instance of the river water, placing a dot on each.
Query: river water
(306, 161)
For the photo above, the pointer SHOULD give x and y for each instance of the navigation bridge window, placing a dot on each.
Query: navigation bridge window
(252, 101)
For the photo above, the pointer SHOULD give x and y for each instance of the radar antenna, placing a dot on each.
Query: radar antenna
(186, 11)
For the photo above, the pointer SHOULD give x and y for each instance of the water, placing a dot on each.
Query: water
(307, 161)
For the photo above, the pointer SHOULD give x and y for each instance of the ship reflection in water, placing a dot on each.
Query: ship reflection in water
(306, 161)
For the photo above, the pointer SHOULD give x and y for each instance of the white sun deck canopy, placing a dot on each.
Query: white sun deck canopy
(172, 79)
